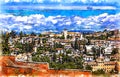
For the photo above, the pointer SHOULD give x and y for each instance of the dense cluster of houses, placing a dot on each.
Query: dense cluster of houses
(97, 54)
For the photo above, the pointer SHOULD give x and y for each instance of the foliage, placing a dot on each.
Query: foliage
(58, 45)
(99, 71)
(27, 47)
(88, 67)
(21, 34)
(33, 34)
(5, 39)
(114, 51)
(18, 45)
(44, 40)
(62, 37)
(13, 34)
(69, 37)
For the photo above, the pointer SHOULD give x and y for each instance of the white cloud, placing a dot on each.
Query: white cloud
(87, 27)
(28, 27)
(41, 23)
(6, 0)
(83, 1)
(16, 0)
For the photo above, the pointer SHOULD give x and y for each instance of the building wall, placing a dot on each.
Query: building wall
(106, 67)
(36, 69)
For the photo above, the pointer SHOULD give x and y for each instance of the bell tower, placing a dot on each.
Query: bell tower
(65, 33)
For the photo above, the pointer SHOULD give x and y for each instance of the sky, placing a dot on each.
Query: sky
(69, 1)
(38, 22)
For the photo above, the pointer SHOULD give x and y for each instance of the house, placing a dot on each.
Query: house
(59, 50)
(118, 67)
(88, 58)
(89, 49)
(57, 35)
(106, 66)
(10, 41)
(108, 50)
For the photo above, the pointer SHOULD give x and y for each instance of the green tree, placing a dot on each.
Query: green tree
(44, 40)
(89, 42)
(69, 37)
(99, 71)
(21, 34)
(54, 57)
(88, 67)
(94, 52)
(40, 35)
(27, 47)
(33, 34)
(68, 51)
(13, 34)
(114, 51)
(102, 37)
(76, 46)
(79, 62)
(112, 71)
(5, 47)
(58, 45)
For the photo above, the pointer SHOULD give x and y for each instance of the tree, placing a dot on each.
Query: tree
(79, 62)
(13, 34)
(58, 45)
(62, 37)
(94, 52)
(5, 47)
(99, 71)
(114, 51)
(27, 47)
(33, 34)
(85, 49)
(69, 37)
(40, 35)
(76, 46)
(116, 69)
(54, 57)
(44, 40)
(103, 37)
(88, 67)
(68, 51)
(21, 34)
(105, 30)
(45, 59)
(112, 71)
(89, 42)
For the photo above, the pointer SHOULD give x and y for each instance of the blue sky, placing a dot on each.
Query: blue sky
(39, 22)
(69, 1)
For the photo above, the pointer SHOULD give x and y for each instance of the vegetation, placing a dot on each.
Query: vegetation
(5, 47)
(58, 61)
(114, 51)
(99, 71)
(88, 67)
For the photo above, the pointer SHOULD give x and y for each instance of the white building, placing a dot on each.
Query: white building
(108, 50)
(89, 48)
(65, 34)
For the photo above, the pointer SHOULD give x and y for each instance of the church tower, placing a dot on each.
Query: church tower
(65, 33)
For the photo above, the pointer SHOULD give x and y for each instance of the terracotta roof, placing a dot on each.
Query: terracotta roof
(59, 48)
(114, 39)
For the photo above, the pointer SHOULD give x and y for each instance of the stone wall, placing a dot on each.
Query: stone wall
(12, 68)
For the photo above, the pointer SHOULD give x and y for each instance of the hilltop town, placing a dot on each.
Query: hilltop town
(97, 52)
